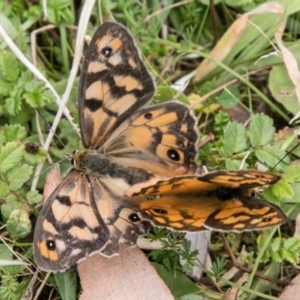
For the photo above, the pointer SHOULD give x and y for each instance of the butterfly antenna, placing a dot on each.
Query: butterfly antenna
(50, 127)
(289, 152)
(45, 170)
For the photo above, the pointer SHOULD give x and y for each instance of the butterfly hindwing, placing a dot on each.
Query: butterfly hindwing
(219, 201)
(245, 213)
(120, 216)
(114, 83)
(160, 139)
(69, 226)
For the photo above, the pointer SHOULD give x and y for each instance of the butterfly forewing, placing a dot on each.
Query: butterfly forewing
(114, 83)
(241, 179)
(219, 201)
(69, 226)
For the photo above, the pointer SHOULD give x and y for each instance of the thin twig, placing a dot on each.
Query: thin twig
(82, 26)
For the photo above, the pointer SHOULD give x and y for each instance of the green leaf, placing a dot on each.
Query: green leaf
(235, 138)
(271, 155)
(11, 204)
(4, 188)
(6, 88)
(36, 158)
(276, 257)
(292, 243)
(296, 193)
(18, 176)
(33, 197)
(24, 78)
(166, 93)
(67, 284)
(18, 224)
(286, 249)
(229, 97)
(233, 164)
(14, 132)
(10, 155)
(194, 297)
(178, 283)
(261, 130)
(292, 257)
(9, 66)
(34, 94)
(5, 252)
(283, 89)
(276, 244)
(292, 174)
(263, 286)
(12, 106)
(59, 11)
(2, 138)
(281, 190)
(221, 120)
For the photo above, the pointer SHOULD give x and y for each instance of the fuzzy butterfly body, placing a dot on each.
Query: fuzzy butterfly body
(220, 201)
(124, 145)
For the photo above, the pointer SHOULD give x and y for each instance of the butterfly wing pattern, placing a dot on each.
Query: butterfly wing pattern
(114, 83)
(220, 201)
(124, 145)
(137, 168)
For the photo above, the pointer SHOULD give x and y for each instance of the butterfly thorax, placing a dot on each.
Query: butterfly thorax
(93, 162)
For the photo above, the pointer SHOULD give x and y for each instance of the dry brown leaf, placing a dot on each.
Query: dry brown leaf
(129, 276)
(234, 293)
(231, 37)
(290, 64)
(297, 227)
(53, 179)
(291, 291)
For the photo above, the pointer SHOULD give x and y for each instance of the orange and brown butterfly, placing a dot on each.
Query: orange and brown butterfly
(124, 145)
(221, 201)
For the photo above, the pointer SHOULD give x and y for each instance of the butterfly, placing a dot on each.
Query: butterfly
(221, 201)
(124, 143)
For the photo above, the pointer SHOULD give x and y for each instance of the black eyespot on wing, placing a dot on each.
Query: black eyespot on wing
(107, 51)
(160, 211)
(134, 218)
(148, 116)
(51, 245)
(173, 154)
